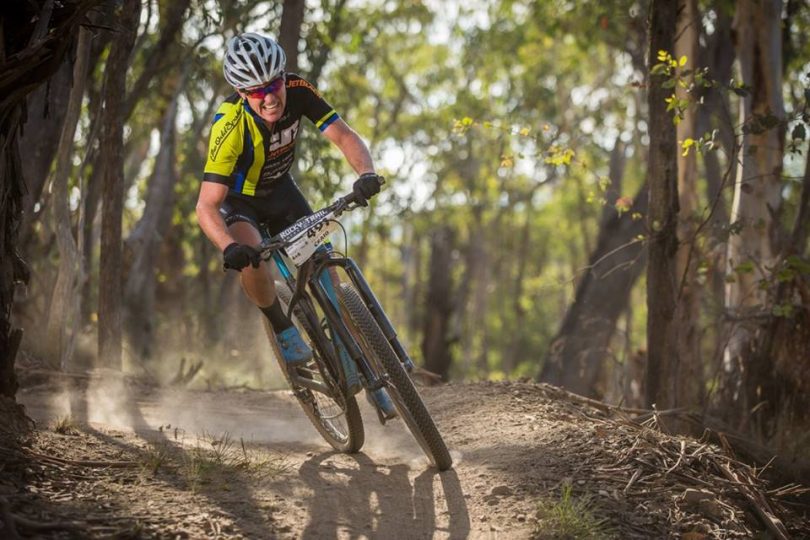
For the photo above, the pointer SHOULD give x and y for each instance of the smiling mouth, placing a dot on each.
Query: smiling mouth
(271, 108)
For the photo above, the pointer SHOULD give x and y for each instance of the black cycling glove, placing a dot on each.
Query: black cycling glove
(366, 187)
(237, 256)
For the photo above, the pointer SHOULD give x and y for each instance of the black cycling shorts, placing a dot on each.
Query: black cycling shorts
(283, 206)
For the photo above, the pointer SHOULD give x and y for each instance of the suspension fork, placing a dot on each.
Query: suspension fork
(374, 306)
(336, 322)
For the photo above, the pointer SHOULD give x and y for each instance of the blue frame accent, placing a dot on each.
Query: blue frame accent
(325, 280)
(281, 265)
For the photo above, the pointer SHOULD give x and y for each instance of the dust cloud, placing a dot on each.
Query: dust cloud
(268, 417)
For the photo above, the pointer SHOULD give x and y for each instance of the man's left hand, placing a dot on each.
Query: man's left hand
(366, 187)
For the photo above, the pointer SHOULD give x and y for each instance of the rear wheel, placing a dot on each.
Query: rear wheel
(409, 404)
(336, 416)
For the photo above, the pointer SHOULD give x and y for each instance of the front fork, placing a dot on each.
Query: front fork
(323, 290)
(323, 262)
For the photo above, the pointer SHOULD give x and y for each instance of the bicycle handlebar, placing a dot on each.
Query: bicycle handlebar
(285, 237)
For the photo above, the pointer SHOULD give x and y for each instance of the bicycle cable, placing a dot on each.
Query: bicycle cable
(345, 238)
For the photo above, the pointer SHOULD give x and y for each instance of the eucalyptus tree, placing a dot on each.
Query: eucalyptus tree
(662, 347)
(757, 190)
(111, 163)
(64, 310)
(36, 38)
(690, 371)
(579, 355)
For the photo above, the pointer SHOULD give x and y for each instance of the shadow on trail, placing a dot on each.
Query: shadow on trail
(355, 495)
(228, 487)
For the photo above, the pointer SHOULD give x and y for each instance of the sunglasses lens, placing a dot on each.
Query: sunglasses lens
(273, 86)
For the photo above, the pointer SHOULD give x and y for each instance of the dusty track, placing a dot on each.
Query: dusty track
(514, 448)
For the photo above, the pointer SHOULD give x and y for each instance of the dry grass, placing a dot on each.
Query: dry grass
(65, 425)
(213, 460)
(569, 518)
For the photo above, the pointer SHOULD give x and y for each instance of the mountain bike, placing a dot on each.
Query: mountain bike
(354, 344)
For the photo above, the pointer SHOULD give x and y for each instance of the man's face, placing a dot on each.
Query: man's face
(268, 100)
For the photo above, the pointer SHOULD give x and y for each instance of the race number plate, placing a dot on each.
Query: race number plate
(305, 245)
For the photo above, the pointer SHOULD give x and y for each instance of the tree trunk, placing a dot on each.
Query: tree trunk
(757, 192)
(662, 331)
(690, 381)
(577, 353)
(438, 304)
(480, 300)
(110, 264)
(39, 140)
(780, 367)
(171, 26)
(12, 268)
(63, 306)
(618, 162)
(147, 237)
(715, 113)
(292, 17)
(410, 254)
(516, 349)
(89, 232)
(30, 52)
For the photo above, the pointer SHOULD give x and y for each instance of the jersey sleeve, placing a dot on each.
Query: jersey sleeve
(225, 144)
(321, 113)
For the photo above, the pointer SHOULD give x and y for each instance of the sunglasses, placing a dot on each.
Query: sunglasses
(273, 86)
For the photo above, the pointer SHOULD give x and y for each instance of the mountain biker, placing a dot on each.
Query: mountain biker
(247, 177)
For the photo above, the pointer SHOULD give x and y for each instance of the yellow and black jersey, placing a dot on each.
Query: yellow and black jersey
(247, 156)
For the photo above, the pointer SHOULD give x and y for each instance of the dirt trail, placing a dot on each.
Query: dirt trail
(516, 450)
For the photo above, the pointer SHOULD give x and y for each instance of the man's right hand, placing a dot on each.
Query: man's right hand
(238, 256)
(366, 187)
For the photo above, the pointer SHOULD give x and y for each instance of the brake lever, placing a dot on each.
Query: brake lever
(267, 248)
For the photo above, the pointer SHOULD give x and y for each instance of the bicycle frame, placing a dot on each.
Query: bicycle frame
(322, 261)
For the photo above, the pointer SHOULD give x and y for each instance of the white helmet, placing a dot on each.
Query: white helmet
(252, 59)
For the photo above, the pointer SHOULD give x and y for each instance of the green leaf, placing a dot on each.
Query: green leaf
(746, 267)
(785, 274)
(682, 61)
(800, 265)
(783, 310)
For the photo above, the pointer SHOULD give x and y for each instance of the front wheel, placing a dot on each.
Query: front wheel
(409, 404)
(336, 416)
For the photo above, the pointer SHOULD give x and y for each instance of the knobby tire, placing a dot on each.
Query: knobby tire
(309, 399)
(407, 400)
